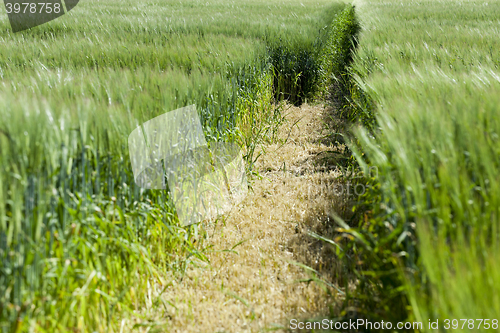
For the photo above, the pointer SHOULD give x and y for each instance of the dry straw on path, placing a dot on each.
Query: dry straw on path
(258, 287)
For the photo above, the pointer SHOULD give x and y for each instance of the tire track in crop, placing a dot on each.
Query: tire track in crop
(257, 288)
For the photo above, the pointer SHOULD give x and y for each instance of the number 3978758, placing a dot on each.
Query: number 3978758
(33, 8)
(471, 324)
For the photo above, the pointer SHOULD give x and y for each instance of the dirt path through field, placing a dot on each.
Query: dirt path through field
(258, 287)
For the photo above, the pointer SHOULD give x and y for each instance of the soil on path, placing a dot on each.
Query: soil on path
(259, 288)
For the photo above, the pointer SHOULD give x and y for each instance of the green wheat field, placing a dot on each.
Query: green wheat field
(418, 82)
(78, 240)
(432, 70)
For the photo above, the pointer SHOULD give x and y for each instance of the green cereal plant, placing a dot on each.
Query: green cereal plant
(429, 233)
(79, 242)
